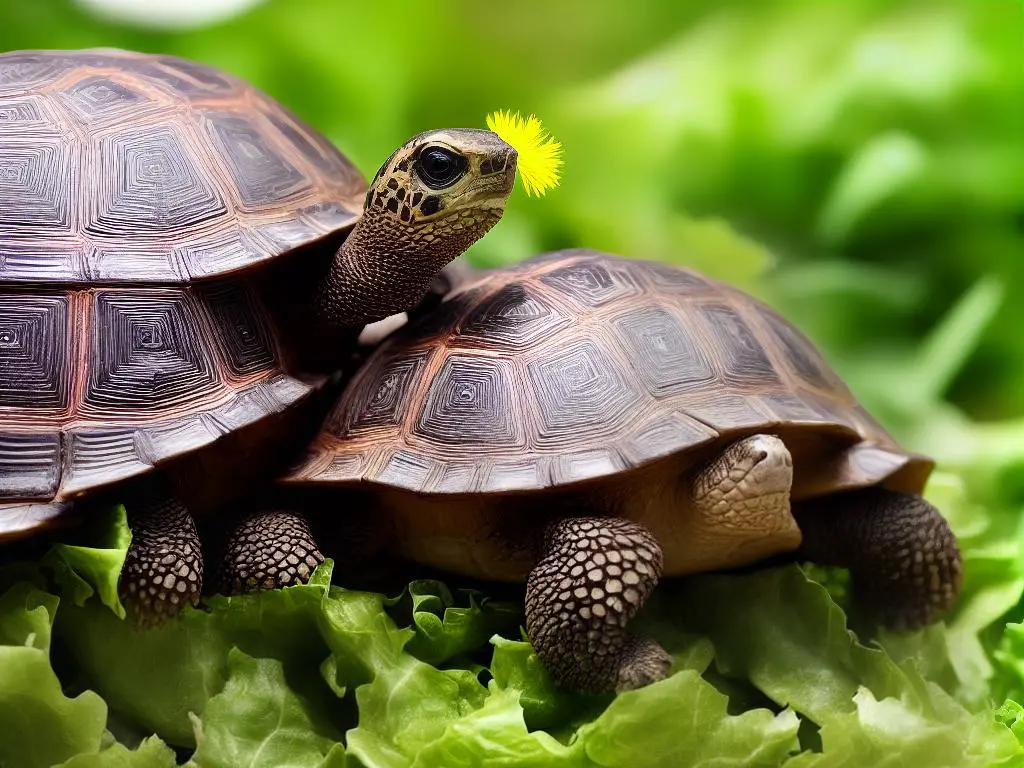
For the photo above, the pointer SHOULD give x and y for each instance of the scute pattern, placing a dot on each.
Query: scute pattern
(146, 354)
(33, 348)
(246, 339)
(513, 319)
(571, 366)
(98, 385)
(737, 349)
(581, 390)
(195, 169)
(261, 175)
(27, 116)
(470, 401)
(802, 356)
(29, 465)
(23, 71)
(34, 194)
(663, 352)
(151, 185)
(382, 405)
(591, 284)
(100, 98)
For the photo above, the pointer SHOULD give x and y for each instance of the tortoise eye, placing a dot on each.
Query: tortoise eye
(440, 167)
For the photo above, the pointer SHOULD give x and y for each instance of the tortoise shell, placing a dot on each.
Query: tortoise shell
(122, 166)
(577, 365)
(127, 177)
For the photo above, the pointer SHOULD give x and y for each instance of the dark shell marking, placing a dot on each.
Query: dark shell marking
(99, 385)
(121, 166)
(125, 176)
(570, 366)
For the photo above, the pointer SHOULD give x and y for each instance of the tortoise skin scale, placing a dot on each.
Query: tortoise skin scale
(127, 178)
(574, 366)
(122, 166)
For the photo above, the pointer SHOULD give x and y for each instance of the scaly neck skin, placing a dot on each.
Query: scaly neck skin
(385, 267)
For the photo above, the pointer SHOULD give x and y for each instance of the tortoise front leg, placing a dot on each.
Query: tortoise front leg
(268, 550)
(903, 558)
(592, 578)
(163, 570)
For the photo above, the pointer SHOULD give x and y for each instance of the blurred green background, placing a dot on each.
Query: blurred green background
(874, 149)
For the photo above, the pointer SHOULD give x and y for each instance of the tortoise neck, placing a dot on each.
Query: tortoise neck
(385, 267)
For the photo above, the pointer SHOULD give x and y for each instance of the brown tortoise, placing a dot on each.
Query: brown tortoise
(177, 253)
(587, 423)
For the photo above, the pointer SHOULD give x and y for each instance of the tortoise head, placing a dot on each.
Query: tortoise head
(436, 195)
(456, 178)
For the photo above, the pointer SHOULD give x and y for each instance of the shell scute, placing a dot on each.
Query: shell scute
(29, 464)
(514, 318)
(735, 347)
(122, 167)
(102, 100)
(579, 389)
(383, 403)
(607, 364)
(471, 401)
(591, 284)
(146, 355)
(150, 184)
(34, 338)
(262, 176)
(663, 352)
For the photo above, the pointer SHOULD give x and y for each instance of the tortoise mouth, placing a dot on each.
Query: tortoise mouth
(511, 166)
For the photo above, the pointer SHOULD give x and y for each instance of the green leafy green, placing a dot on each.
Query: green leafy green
(891, 734)
(151, 753)
(157, 677)
(84, 571)
(39, 725)
(257, 721)
(642, 728)
(445, 630)
(782, 632)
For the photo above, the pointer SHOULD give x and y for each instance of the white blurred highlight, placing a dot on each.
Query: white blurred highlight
(167, 14)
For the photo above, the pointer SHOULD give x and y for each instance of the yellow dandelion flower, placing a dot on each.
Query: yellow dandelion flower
(540, 155)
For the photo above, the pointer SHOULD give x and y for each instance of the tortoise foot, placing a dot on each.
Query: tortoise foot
(593, 577)
(641, 663)
(163, 570)
(268, 550)
(903, 558)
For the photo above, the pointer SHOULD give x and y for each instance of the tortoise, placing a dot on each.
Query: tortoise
(183, 265)
(588, 423)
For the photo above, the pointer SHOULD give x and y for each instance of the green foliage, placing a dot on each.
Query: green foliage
(758, 660)
(39, 724)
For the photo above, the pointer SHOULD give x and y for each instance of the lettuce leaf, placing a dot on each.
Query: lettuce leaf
(151, 753)
(782, 632)
(445, 630)
(413, 714)
(39, 725)
(156, 678)
(765, 673)
(257, 721)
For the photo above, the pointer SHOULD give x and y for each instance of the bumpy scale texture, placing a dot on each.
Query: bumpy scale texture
(269, 550)
(163, 570)
(594, 575)
(903, 558)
